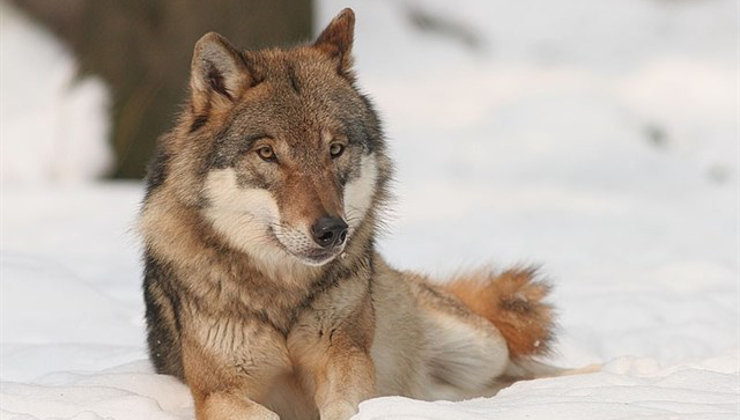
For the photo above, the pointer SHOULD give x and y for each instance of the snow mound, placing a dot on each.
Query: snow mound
(684, 392)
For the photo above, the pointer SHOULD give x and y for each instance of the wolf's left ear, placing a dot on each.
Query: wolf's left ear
(336, 40)
(218, 72)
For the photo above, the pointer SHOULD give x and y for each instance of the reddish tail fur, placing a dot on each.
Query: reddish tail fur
(513, 302)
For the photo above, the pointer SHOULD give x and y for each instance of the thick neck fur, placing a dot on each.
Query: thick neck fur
(207, 268)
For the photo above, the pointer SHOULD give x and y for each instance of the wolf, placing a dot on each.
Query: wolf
(264, 292)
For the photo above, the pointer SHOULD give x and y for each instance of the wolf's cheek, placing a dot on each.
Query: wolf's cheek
(359, 192)
(242, 215)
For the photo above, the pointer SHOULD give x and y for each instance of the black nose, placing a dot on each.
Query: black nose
(329, 231)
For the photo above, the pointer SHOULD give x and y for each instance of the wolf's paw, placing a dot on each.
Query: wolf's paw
(338, 410)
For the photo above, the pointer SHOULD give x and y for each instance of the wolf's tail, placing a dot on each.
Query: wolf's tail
(514, 302)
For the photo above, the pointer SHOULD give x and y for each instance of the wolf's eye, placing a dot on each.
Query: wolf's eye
(336, 150)
(267, 154)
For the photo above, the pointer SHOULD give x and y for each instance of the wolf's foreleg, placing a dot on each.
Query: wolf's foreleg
(224, 405)
(344, 378)
(334, 350)
(230, 366)
(347, 383)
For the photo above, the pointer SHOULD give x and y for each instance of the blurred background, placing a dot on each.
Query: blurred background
(125, 65)
(138, 53)
(598, 138)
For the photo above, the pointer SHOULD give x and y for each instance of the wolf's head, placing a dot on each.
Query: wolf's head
(277, 149)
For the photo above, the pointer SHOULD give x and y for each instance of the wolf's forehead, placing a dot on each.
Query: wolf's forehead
(297, 116)
(294, 69)
(283, 116)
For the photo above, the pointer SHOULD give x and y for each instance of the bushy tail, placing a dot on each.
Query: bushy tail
(513, 302)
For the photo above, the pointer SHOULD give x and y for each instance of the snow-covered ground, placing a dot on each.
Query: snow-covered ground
(597, 138)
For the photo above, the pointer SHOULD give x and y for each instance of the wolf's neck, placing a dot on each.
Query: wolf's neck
(215, 271)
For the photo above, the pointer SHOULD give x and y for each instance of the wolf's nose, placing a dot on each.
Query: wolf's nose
(329, 231)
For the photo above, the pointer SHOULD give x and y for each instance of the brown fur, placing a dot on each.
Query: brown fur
(513, 302)
(239, 304)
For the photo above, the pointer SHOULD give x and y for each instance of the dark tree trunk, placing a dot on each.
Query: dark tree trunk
(142, 49)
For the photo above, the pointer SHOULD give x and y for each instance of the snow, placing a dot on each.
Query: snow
(599, 139)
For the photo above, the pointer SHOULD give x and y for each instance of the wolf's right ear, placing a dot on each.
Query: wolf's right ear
(218, 72)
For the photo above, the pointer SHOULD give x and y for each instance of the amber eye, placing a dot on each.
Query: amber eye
(336, 150)
(267, 154)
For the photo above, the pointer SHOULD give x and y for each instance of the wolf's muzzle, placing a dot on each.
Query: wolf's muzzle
(329, 231)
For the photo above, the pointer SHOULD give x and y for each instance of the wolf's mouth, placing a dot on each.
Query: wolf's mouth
(315, 257)
(308, 255)
(321, 257)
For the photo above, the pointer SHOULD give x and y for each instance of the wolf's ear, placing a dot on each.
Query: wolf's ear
(336, 40)
(218, 71)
